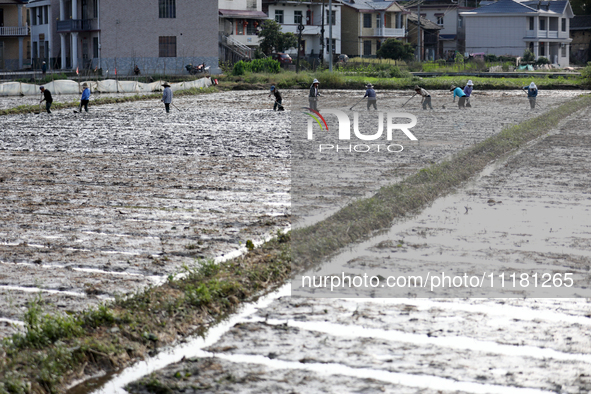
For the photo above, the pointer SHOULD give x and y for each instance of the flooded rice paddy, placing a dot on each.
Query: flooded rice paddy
(92, 207)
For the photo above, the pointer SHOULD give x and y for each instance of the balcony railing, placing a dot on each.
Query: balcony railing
(14, 31)
(388, 32)
(76, 25)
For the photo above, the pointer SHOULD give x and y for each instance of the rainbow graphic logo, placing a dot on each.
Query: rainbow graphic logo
(315, 115)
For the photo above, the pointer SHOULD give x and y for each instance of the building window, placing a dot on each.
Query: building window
(46, 14)
(95, 47)
(563, 50)
(542, 24)
(297, 17)
(367, 48)
(334, 18)
(251, 28)
(460, 22)
(542, 49)
(367, 20)
(33, 16)
(563, 24)
(440, 20)
(95, 9)
(334, 46)
(279, 16)
(167, 46)
(531, 23)
(309, 17)
(240, 27)
(167, 8)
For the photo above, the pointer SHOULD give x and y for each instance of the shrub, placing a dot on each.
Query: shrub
(542, 60)
(266, 65)
(528, 57)
(491, 58)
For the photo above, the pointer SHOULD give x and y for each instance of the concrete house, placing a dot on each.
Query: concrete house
(289, 14)
(580, 32)
(239, 21)
(430, 49)
(446, 14)
(160, 36)
(367, 24)
(508, 27)
(14, 35)
(44, 39)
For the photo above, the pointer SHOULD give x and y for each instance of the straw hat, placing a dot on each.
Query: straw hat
(452, 87)
(470, 83)
(84, 85)
(369, 85)
(417, 87)
(532, 86)
(315, 81)
(166, 85)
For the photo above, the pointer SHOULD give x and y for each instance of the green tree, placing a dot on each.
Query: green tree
(581, 7)
(396, 49)
(273, 40)
(528, 57)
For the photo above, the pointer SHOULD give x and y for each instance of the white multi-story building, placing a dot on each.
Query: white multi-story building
(509, 27)
(289, 14)
(240, 20)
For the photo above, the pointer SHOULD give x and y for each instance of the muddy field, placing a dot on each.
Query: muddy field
(526, 213)
(102, 204)
(106, 203)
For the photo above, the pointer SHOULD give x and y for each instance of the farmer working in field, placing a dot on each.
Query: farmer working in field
(468, 91)
(85, 97)
(371, 97)
(313, 97)
(166, 96)
(278, 98)
(532, 93)
(47, 98)
(461, 95)
(426, 101)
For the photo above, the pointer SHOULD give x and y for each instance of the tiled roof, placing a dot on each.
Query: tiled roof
(557, 6)
(504, 7)
(580, 22)
(425, 23)
(368, 4)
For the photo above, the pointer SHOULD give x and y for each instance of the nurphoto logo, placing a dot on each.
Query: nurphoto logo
(345, 129)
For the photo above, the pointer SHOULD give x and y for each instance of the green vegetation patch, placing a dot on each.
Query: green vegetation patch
(57, 349)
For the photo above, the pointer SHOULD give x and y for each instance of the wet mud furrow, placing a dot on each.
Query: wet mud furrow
(106, 203)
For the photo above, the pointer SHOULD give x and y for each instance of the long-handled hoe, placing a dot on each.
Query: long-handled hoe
(409, 100)
(356, 104)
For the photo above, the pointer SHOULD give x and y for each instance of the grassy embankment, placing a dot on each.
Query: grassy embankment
(337, 80)
(56, 350)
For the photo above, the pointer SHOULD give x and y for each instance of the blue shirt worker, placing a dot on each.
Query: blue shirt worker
(85, 97)
(371, 97)
(532, 93)
(166, 97)
(460, 94)
(468, 92)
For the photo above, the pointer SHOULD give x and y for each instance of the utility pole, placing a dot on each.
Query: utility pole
(322, 36)
(330, 34)
(300, 30)
(419, 30)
